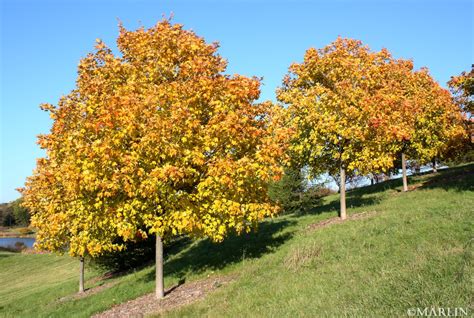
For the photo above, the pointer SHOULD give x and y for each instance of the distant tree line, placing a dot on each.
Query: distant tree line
(14, 214)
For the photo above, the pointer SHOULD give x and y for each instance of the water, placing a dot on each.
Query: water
(10, 242)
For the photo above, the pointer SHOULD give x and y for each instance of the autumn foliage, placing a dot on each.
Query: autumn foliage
(354, 111)
(155, 139)
(330, 98)
(422, 120)
(462, 87)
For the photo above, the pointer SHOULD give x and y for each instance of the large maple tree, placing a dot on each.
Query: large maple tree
(155, 140)
(330, 99)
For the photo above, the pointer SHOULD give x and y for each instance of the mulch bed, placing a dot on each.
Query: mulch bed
(336, 220)
(174, 297)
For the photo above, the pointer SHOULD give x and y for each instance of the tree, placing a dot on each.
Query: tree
(421, 119)
(20, 213)
(462, 87)
(329, 98)
(154, 141)
(415, 116)
(396, 113)
(289, 190)
(440, 130)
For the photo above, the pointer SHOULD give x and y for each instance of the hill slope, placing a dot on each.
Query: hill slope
(408, 250)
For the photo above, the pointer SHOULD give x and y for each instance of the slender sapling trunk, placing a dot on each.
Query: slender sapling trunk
(160, 291)
(404, 173)
(81, 274)
(342, 188)
(435, 169)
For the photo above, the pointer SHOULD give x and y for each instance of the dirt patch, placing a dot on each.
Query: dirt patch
(413, 187)
(336, 220)
(174, 297)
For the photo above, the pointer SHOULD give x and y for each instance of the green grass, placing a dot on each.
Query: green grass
(28, 282)
(416, 251)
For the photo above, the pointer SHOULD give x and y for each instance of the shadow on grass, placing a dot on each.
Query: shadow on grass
(354, 199)
(206, 255)
(5, 253)
(186, 255)
(9, 250)
(457, 178)
(379, 187)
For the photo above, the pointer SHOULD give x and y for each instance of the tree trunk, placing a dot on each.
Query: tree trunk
(435, 169)
(342, 212)
(160, 291)
(81, 274)
(404, 173)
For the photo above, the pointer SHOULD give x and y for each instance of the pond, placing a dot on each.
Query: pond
(12, 242)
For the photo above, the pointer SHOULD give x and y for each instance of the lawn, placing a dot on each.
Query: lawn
(30, 282)
(412, 250)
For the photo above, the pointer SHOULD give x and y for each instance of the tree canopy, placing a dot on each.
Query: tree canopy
(330, 105)
(156, 139)
(462, 87)
(418, 116)
(354, 111)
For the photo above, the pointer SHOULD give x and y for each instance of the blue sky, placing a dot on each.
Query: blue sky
(43, 41)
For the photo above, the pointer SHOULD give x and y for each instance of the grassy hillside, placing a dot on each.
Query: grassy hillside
(412, 249)
(28, 281)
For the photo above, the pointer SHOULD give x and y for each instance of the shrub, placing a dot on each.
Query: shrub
(289, 190)
(19, 246)
(294, 194)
